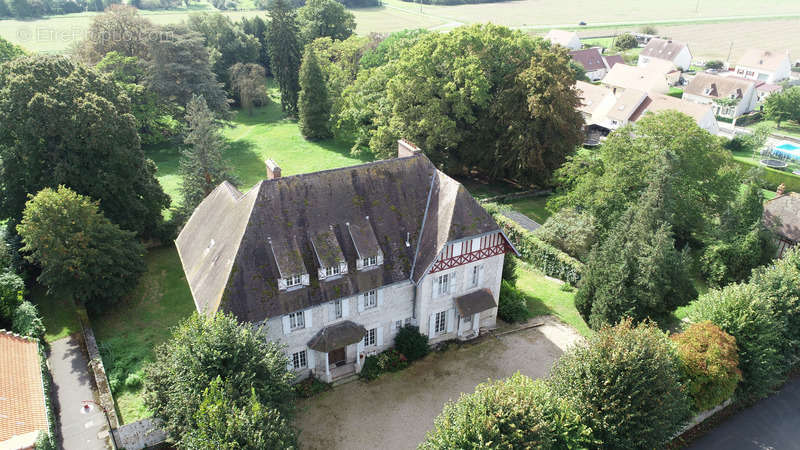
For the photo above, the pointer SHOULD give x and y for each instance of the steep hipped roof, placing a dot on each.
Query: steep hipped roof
(392, 193)
(22, 406)
(715, 86)
(782, 214)
(589, 58)
(762, 59)
(663, 49)
(561, 37)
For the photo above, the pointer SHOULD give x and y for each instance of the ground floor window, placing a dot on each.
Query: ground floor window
(398, 324)
(300, 360)
(371, 337)
(440, 322)
(407, 322)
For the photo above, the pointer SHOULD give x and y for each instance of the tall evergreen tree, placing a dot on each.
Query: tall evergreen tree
(284, 45)
(201, 165)
(313, 105)
(257, 27)
(636, 272)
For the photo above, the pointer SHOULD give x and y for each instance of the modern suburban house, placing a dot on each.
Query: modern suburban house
(593, 62)
(568, 39)
(674, 52)
(764, 65)
(782, 215)
(703, 115)
(623, 76)
(23, 412)
(335, 262)
(729, 96)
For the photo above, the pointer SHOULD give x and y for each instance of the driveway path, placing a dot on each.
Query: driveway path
(72, 384)
(396, 410)
(772, 423)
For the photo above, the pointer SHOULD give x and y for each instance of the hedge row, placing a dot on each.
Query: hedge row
(771, 178)
(550, 260)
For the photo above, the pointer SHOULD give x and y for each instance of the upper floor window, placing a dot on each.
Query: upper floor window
(332, 270)
(297, 320)
(370, 299)
(294, 280)
(370, 261)
(442, 284)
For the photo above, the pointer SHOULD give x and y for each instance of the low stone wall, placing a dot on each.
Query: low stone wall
(96, 363)
(138, 435)
(699, 418)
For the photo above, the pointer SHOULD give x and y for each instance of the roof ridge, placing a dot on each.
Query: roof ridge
(422, 226)
(356, 166)
(11, 334)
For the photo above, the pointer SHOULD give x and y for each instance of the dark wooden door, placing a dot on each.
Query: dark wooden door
(337, 357)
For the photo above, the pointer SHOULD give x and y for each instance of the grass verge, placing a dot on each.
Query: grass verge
(58, 313)
(533, 207)
(545, 296)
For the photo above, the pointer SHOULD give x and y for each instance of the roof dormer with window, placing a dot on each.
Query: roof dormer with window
(368, 252)
(288, 259)
(329, 254)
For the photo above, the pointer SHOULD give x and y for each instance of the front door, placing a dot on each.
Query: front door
(337, 357)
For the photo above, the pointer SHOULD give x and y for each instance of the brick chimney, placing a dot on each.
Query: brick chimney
(273, 170)
(781, 188)
(405, 148)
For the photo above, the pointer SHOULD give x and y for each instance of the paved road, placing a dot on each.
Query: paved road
(772, 423)
(72, 384)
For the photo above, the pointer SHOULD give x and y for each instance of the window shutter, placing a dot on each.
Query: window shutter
(453, 282)
(343, 267)
(281, 283)
(345, 307)
(431, 325)
(467, 278)
(321, 273)
(310, 358)
(305, 280)
(380, 297)
(332, 311)
(380, 336)
(359, 264)
(451, 319)
(480, 274)
(290, 364)
(360, 302)
(307, 316)
(286, 327)
(380, 258)
(434, 284)
(476, 319)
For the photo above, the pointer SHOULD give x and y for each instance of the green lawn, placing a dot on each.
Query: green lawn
(128, 332)
(787, 128)
(533, 207)
(58, 313)
(546, 296)
(675, 92)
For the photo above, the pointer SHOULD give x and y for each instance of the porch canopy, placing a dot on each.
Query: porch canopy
(337, 336)
(475, 302)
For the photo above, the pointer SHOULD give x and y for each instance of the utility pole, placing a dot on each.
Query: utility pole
(730, 50)
(697, 6)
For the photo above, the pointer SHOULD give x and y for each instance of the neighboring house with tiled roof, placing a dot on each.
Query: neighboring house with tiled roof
(703, 115)
(596, 101)
(782, 216)
(592, 62)
(668, 50)
(623, 76)
(612, 60)
(568, 39)
(716, 90)
(764, 65)
(336, 262)
(23, 412)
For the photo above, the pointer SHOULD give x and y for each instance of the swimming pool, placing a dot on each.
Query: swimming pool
(787, 150)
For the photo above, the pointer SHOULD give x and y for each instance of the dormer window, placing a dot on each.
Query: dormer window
(366, 244)
(289, 262)
(294, 280)
(332, 270)
(370, 261)
(329, 253)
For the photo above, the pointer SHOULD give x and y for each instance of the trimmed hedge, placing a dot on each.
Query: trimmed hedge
(513, 306)
(771, 178)
(550, 260)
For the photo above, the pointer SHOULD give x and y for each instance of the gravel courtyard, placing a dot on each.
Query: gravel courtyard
(396, 410)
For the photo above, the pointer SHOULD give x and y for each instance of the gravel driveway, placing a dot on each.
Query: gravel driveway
(396, 410)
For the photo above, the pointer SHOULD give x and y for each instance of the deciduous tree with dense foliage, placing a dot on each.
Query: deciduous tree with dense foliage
(201, 165)
(625, 41)
(202, 350)
(285, 52)
(325, 18)
(249, 83)
(81, 254)
(119, 29)
(636, 272)
(227, 44)
(9, 51)
(313, 105)
(508, 414)
(62, 123)
(225, 424)
(783, 106)
(257, 27)
(624, 381)
(709, 364)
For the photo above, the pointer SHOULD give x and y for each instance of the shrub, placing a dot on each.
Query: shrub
(726, 262)
(371, 369)
(570, 231)
(11, 289)
(715, 64)
(411, 343)
(513, 306)
(709, 364)
(514, 413)
(648, 29)
(134, 380)
(510, 269)
(310, 387)
(743, 312)
(27, 321)
(625, 382)
(45, 441)
(389, 361)
(626, 41)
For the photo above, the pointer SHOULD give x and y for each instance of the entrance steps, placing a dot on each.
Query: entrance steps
(345, 379)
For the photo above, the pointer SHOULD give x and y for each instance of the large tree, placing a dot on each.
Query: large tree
(607, 182)
(283, 40)
(482, 97)
(202, 350)
(119, 29)
(179, 68)
(257, 27)
(201, 166)
(9, 51)
(624, 381)
(227, 43)
(313, 105)
(62, 123)
(81, 253)
(249, 83)
(325, 18)
(783, 106)
(636, 272)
